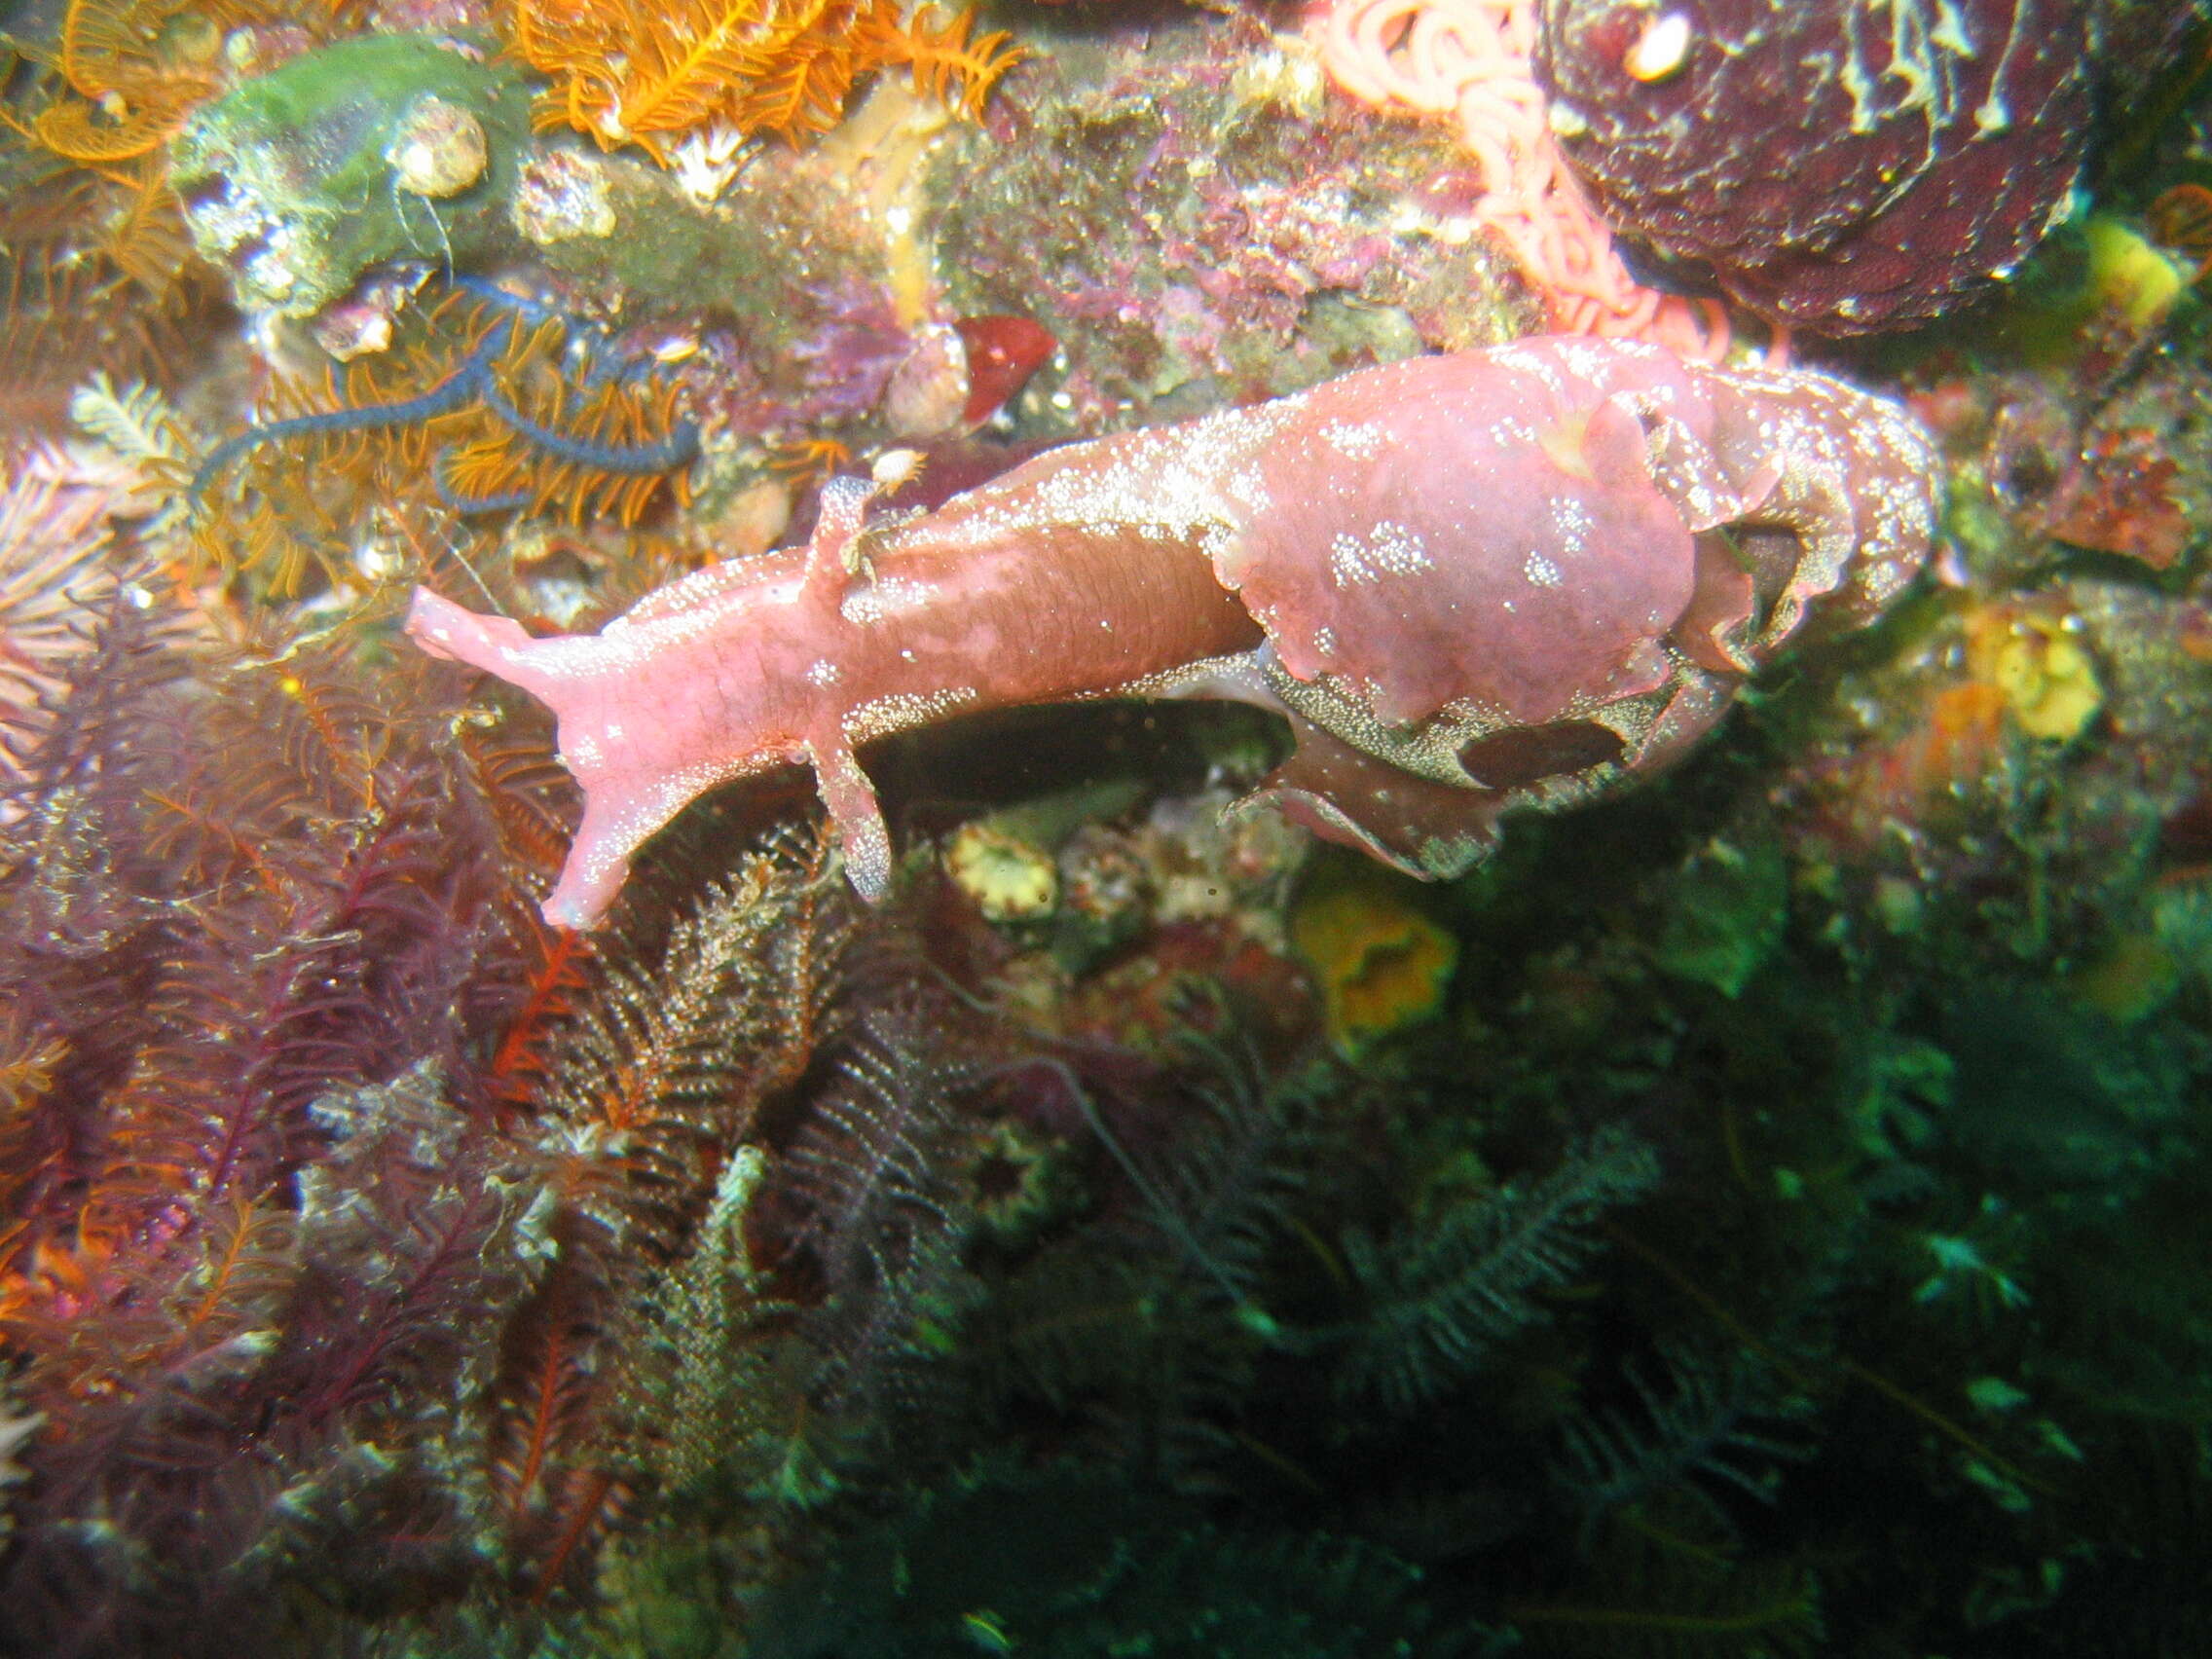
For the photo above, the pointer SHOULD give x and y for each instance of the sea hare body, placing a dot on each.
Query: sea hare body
(1472, 582)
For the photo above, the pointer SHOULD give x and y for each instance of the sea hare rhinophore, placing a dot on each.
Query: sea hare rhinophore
(1501, 578)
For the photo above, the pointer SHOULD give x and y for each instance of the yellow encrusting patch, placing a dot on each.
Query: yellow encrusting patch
(1382, 963)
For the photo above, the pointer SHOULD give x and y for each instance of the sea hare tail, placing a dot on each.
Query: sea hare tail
(625, 801)
(496, 644)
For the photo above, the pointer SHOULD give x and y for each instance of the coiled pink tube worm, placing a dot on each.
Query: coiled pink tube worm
(1501, 578)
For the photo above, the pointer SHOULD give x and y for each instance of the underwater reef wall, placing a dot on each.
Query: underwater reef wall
(1141, 1224)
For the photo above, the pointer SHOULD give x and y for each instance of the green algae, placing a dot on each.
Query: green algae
(295, 182)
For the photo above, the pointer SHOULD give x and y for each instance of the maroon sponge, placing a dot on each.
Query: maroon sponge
(1842, 168)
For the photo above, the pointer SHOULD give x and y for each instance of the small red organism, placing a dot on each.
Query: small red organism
(2180, 219)
(2117, 497)
(1003, 352)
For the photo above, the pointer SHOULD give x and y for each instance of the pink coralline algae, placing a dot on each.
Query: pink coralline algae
(1841, 168)
(1473, 61)
(1499, 579)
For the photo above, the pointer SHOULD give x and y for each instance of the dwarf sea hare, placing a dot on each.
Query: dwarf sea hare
(1470, 583)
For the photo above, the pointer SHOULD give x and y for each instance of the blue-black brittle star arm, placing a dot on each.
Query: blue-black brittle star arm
(474, 380)
(680, 448)
(473, 506)
(592, 342)
(454, 392)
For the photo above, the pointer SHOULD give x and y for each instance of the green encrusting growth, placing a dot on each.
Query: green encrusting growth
(402, 146)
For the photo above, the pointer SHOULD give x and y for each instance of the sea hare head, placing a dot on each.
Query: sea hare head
(1518, 576)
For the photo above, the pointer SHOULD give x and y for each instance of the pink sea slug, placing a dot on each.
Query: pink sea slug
(1502, 579)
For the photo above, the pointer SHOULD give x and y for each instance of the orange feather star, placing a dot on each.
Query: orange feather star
(633, 72)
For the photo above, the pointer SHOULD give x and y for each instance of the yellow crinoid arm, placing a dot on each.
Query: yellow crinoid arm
(945, 62)
(641, 72)
(710, 53)
(580, 47)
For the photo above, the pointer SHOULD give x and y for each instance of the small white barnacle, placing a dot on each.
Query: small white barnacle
(437, 148)
(1661, 48)
(1565, 120)
(896, 468)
